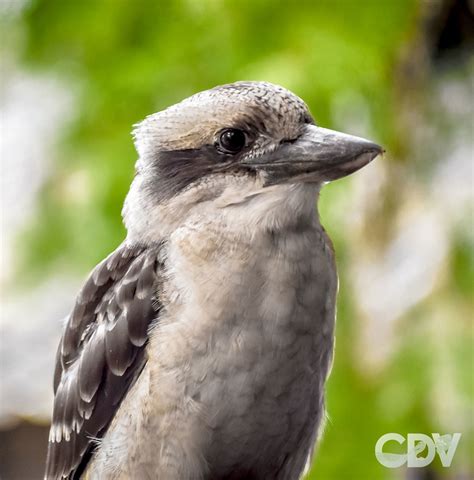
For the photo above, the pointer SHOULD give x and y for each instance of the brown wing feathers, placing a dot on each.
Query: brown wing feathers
(101, 353)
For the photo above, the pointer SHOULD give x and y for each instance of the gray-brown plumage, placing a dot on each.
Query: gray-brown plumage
(199, 349)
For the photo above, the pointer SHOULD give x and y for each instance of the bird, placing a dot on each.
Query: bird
(200, 348)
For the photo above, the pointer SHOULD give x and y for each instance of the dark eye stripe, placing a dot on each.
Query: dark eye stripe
(174, 170)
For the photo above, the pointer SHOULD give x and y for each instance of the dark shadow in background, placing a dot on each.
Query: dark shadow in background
(23, 452)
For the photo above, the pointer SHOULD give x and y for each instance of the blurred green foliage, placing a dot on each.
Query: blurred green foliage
(126, 59)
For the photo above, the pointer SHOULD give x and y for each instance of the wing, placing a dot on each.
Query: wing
(101, 353)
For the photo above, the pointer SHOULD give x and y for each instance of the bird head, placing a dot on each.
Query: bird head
(256, 132)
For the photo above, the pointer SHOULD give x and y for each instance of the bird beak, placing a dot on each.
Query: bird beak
(318, 155)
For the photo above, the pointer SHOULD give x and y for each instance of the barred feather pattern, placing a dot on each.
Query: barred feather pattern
(101, 354)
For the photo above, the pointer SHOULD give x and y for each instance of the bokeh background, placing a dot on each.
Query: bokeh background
(75, 76)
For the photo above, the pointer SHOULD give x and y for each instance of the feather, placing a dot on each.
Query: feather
(100, 355)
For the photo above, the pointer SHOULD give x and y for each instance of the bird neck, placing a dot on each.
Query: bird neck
(240, 204)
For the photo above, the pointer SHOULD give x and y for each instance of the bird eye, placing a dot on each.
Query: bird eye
(231, 140)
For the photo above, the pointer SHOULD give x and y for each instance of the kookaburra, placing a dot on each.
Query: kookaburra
(199, 349)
